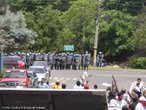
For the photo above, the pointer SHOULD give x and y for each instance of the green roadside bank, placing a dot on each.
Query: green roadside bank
(116, 68)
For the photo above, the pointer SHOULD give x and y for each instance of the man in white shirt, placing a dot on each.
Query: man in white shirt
(138, 85)
(43, 84)
(78, 85)
(120, 101)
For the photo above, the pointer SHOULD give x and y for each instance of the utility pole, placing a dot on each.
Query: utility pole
(96, 34)
(1, 61)
(2, 46)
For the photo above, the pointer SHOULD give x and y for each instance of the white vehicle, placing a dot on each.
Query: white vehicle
(40, 71)
(42, 63)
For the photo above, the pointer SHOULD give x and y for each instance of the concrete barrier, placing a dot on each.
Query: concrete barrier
(50, 99)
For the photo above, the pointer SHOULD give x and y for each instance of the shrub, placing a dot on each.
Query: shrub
(138, 62)
(2, 72)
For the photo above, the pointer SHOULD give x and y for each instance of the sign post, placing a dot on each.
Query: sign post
(68, 47)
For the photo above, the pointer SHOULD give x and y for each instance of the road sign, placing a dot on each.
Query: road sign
(68, 47)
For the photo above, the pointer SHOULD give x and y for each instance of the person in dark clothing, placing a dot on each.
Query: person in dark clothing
(95, 86)
(63, 86)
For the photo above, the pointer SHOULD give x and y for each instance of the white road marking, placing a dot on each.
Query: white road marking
(51, 84)
(68, 78)
(63, 81)
(55, 78)
(106, 84)
(75, 79)
(61, 78)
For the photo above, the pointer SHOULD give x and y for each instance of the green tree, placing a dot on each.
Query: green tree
(13, 31)
(47, 25)
(132, 7)
(116, 33)
(31, 5)
(60, 22)
(139, 39)
(79, 25)
(3, 5)
(27, 5)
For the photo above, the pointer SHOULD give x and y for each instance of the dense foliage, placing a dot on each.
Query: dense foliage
(13, 32)
(138, 62)
(116, 32)
(122, 24)
(139, 35)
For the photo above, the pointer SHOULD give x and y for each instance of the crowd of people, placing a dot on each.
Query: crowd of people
(83, 83)
(58, 85)
(133, 99)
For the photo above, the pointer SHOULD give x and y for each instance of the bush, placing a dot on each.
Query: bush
(2, 73)
(138, 62)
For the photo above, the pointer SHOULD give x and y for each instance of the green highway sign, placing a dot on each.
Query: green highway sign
(68, 47)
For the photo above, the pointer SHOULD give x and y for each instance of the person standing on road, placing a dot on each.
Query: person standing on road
(43, 84)
(95, 86)
(100, 59)
(83, 78)
(138, 85)
(57, 85)
(78, 85)
(87, 85)
(82, 61)
(86, 61)
(63, 86)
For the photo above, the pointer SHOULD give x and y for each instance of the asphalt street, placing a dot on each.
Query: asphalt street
(102, 78)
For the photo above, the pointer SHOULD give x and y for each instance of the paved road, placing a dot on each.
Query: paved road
(99, 77)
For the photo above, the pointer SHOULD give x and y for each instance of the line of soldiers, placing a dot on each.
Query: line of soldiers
(69, 61)
(57, 61)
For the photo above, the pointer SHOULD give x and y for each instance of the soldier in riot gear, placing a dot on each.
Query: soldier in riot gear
(86, 60)
(27, 60)
(50, 60)
(68, 61)
(60, 61)
(63, 60)
(82, 61)
(77, 61)
(74, 63)
(57, 61)
(99, 61)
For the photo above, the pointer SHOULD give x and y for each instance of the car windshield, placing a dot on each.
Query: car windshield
(37, 70)
(14, 74)
(40, 63)
(12, 59)
(10, 65)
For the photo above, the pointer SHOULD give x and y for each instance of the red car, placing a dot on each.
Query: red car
(13, 62)
(16, 77)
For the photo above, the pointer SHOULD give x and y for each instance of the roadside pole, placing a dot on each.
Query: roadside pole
(1, 61)
(96, 34)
